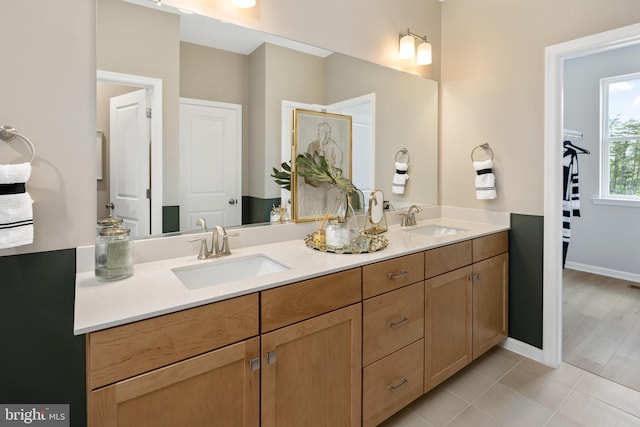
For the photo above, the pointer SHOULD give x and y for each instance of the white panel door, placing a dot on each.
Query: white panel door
(363, 115)
(129, 161)
(210, 163)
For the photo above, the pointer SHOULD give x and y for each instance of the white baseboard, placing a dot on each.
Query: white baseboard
(616, 274)
(523, 349)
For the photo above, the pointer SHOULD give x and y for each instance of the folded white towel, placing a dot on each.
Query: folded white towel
(16, 211)
(485, 180)
(400, 178)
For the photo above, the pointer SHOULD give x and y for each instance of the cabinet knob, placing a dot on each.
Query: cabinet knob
(392, 387)
(255, 363)
(402, 321)
(271, 357)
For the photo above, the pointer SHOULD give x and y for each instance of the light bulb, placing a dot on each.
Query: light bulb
(424, 54)
(407, 47)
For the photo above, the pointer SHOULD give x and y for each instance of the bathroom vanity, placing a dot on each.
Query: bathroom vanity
(341, 339)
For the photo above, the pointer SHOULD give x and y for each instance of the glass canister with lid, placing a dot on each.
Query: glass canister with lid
(113, 254)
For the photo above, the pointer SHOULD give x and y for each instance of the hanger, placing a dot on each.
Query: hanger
(581, 150)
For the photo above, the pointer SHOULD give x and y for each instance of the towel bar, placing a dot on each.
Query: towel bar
(9, 133)
(404, 152)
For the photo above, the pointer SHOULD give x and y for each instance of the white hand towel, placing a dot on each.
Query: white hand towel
(400, 178)
(16, 212)
(485, 180)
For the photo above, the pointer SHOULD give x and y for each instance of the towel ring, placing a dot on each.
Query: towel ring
(404, 152)
(484, 146)
(9, 133)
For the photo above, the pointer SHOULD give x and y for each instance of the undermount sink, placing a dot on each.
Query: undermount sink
(221, 271)
(434, 230)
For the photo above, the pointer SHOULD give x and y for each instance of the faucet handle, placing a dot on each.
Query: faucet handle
(204, 251)
(226, 249)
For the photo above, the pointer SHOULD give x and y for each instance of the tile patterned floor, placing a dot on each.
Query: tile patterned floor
(601, 326)
(504, 389)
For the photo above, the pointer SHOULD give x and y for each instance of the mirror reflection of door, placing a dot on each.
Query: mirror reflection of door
(210, 163)
(129, 161)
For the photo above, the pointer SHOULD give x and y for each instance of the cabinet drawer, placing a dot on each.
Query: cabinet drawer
(293, 303)
(124, 351)
(392, 321)
(395, 273)
(392, 383)
(491, 245)
(447, 258)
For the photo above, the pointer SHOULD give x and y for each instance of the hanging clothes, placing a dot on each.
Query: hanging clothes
(571, 196)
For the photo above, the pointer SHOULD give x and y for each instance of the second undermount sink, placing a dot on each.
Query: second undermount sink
(219, 271)
(435, 230)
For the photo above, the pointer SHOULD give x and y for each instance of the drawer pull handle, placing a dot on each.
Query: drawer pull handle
(271, 357)
(401, 274)
(254, 363)
(399, 323)
(392, 387)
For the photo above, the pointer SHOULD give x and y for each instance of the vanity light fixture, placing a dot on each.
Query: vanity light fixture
(245, 4)
(408, 48)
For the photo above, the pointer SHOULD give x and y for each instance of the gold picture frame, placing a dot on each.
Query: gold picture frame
(328, 135)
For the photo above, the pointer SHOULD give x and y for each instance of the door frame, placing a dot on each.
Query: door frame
(552, 258)
(153, 87)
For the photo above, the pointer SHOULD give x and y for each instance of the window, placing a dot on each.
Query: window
(620, 152)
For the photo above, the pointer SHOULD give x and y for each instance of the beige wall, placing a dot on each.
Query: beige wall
(137, 40)
(406, 117)
(366, 29)
(47, 82)
(492, 89)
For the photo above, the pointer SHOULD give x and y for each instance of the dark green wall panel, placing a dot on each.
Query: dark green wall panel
(41, 361)
(525, 278)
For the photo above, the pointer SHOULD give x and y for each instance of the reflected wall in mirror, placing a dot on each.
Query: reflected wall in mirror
(156, 43)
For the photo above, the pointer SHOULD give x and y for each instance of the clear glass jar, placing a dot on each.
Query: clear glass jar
(114, 254)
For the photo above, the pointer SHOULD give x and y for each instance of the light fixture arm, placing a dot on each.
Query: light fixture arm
(415, 36)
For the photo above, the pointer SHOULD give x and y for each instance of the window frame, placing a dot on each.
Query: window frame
(605, 197)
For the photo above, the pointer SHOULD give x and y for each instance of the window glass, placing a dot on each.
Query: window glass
(621, 137)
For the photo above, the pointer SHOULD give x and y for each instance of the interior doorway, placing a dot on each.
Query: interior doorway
(153, 88)
(554, 125)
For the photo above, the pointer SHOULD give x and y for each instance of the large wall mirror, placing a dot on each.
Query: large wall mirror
(199, 78)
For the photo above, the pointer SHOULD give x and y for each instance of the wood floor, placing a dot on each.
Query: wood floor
(601, 326)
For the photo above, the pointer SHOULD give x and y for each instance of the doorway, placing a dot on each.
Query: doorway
(153, 89)
(554, 125)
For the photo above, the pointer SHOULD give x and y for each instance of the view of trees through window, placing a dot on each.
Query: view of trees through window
(623, 136)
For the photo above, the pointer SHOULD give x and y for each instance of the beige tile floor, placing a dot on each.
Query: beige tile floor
(601, 326)
(505, 389)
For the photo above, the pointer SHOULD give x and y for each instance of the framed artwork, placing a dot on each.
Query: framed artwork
(99, 154)
(324, 134)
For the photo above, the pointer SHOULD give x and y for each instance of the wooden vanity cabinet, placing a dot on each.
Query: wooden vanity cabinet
(393, 336)
(465, 304)
(312, 352)
(178, 369)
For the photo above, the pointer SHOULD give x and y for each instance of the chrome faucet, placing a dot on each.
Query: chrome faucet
(218, 233)
(409, 217)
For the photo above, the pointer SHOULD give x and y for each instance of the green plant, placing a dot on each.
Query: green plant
(283, 177)
(315, 169)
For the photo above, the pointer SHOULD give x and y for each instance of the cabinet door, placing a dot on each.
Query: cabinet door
(489, 303)
(448, 325)
(218, 388)
(312, 370)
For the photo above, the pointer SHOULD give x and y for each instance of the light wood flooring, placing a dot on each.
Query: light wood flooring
(601, 326)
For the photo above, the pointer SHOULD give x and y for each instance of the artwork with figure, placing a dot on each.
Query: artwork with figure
(321, 134)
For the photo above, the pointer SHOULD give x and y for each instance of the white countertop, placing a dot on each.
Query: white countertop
(155, 290)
